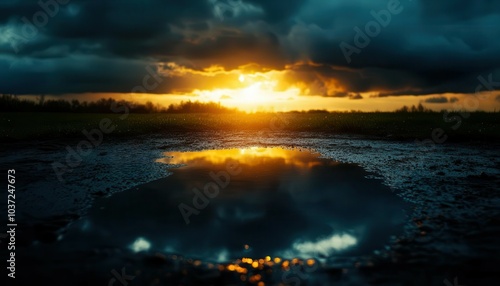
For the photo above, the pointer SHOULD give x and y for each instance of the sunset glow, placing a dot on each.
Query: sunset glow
(252, 88)
(251, 156)
(246, 55)
(255, 94)
(250, 142)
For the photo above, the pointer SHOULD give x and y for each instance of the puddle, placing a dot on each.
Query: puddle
(221, 205)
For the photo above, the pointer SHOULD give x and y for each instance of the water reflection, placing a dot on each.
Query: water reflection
(140, 244)
(281, 203)
(325, 247)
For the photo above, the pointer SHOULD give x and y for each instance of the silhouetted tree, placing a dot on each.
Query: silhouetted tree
(11, 103)
(403, 109)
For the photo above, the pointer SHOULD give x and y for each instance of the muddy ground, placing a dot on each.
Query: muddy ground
(451, 236)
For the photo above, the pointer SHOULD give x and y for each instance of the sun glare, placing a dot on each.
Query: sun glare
(254, 92)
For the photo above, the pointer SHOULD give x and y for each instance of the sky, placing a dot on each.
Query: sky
(256, 54)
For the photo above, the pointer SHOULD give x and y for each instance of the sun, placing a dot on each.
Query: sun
(255, 89)
(251, 92)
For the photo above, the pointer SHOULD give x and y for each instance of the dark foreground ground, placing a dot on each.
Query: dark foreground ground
(454, 126)
(451, 235)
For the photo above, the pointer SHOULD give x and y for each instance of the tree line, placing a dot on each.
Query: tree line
(413, 108)
(11, 103)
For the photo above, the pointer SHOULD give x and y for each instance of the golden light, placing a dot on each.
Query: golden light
(252, 93)
(247, 260)
(255, 278)
(310, 262)
(251, 156)
(241, 270)
(252, 88)
(285, 264)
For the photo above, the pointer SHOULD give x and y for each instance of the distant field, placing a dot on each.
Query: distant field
(26, 126)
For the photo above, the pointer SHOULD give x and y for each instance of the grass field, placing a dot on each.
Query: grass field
(478, 126)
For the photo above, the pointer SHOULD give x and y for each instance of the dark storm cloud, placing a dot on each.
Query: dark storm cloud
(434, 56)
(457, 10)
(440, 99)
(96, 46)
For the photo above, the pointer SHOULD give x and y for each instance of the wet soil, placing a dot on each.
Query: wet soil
(451, 233)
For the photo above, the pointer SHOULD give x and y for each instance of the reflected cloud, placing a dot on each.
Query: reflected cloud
(286, 203)
(140, 244)
(222, 256)
(326, 246)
